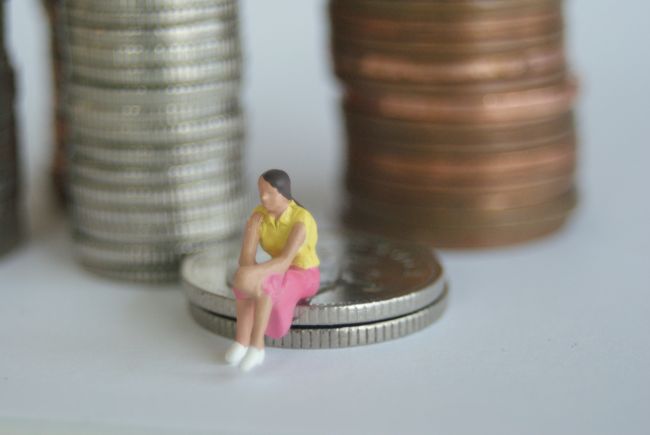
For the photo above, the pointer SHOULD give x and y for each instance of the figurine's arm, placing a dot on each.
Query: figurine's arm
(251, 239)
(249, 278)
(281, 263)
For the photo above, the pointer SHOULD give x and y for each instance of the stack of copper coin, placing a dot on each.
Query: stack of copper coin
(459, 118)
(150, 90)
(9, 173)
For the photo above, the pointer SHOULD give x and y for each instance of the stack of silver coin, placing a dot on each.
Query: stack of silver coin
(9, 174)
(372, 290)
(155, 131)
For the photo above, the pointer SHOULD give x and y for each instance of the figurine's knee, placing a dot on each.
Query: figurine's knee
(239, 280)
(261, 296)
(242, 281)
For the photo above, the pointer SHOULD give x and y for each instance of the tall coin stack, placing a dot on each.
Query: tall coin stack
(155, 131)
(458, 116)
(9, 173)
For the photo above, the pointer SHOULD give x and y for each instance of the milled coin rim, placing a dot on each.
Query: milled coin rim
(181, 33)
(338, 336)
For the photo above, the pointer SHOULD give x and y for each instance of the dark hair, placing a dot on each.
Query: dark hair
(281, 181)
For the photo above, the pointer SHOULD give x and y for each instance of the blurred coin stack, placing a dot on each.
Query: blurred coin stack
(9, 173)
(59, 154)
(458, 117)
(154, 131)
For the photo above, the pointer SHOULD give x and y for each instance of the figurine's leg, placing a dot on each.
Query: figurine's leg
(245, 316)
(263, 307)
(255, 354)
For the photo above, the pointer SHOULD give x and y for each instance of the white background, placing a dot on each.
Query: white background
(550, 337)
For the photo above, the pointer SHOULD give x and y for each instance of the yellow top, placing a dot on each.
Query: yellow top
(275, 232)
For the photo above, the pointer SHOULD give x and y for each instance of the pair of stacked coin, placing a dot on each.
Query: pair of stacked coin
(9, 173)
(154, 131)
(372, 290)
(458, 117)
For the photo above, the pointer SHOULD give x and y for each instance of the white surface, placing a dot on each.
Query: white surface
(551, 337)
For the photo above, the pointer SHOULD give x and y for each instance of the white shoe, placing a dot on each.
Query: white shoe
(235, 353)
(253, 358)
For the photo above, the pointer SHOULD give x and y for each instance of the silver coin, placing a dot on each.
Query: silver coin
(230, 148)
(108, 254)
(143, 197)
(222, 126)
(214, 169)
(94, 115)
(128, 216)
(363, 279)
(139, 56)
(174, 34)
(191, 231)
(141, 6)
(152, 98)
(216, 226)
(333, 336)
(120, 18)
(134, 274)
(194, 73)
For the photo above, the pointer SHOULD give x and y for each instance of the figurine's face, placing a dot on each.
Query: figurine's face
(271, 199)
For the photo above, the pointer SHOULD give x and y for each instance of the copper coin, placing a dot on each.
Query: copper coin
(442, 10)
(425, 149)
(435, 216)
(463, 238)
(426, 180)
(403, 68)
(488, 137)
(467, 180)
(516, 194)
(453, 90)
(407, 31)
(515, 106)
(470, 167)
(442, 49)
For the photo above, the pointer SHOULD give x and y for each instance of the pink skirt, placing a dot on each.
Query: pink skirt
(285, 291)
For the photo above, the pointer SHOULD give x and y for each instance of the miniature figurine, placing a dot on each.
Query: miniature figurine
(267, 293)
